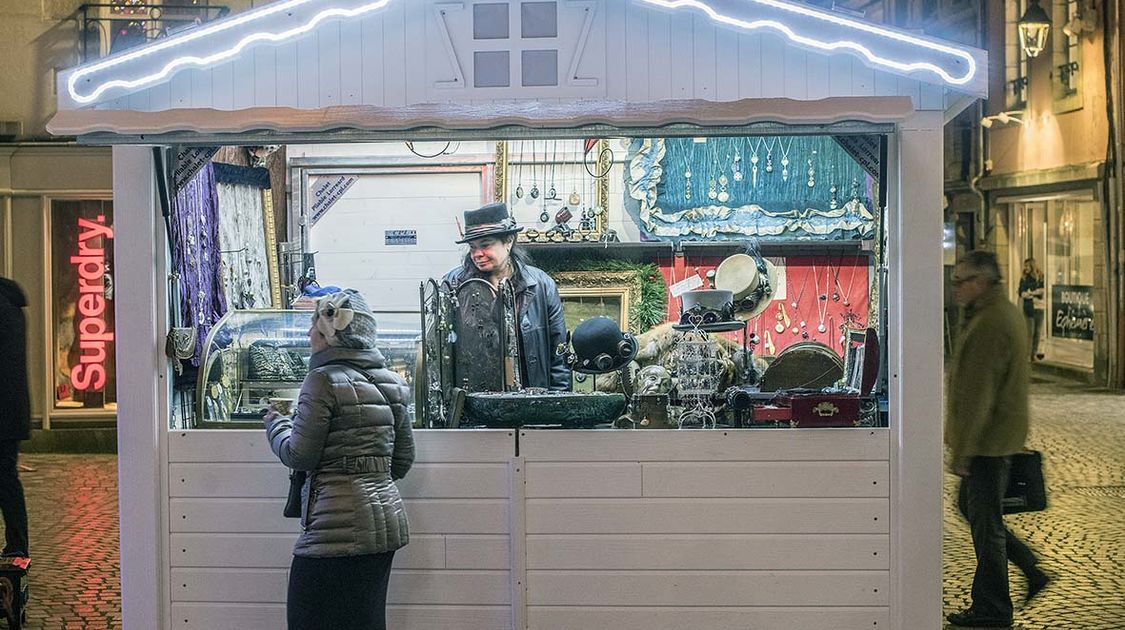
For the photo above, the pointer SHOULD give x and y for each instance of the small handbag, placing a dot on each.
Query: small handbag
(293, 501)
(1026, 491)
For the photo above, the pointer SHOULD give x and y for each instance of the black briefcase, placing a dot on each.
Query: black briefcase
(1026, 491)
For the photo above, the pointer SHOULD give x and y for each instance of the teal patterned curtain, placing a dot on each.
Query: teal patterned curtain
(731, 188)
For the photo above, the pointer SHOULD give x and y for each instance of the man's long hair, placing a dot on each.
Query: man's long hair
(519, 257)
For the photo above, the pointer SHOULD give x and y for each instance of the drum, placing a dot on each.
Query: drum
(804, 365)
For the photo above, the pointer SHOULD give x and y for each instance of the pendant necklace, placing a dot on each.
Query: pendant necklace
(551, 192)
(736, 166)
(754, 163)
(781, 317)
(836, 279)
(851, 282)
(821, 301)
(724, 196)
(834, 201)
(855, 189)
(785, 158)
(575, 199)
(712, 185)
(770, 142)
(534, 193)
(812, 170)
(687, 168)
(519, 167)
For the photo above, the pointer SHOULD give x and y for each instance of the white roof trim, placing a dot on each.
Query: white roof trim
(921, 58)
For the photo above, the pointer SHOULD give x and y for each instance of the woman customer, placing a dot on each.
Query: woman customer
(351, 433)
(493, 255)
(1031, 290)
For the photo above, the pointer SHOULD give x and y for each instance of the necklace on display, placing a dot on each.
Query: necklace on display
(812, 170)
(533, 194)
(712, 184)
(575, 199)
(782, 318)
(851, 281)
(834, 201)
(688, 144)
(552, 194)
(770, 142)
(519, 177)
(736, 166)
(785, 157)
(754, 163)
(855, 189)
(821, 301)
(723, 195)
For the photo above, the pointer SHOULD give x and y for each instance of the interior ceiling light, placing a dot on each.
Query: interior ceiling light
(1034, 27)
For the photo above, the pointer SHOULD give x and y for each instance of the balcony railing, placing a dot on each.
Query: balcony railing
(110, 28)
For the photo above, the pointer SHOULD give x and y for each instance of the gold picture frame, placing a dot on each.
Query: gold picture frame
(272, 259)
(588, 294)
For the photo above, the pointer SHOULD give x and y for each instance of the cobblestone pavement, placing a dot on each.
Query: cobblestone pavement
(1080, 537)
(75, 560)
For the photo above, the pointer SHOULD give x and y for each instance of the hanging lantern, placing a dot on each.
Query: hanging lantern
(1034, 27)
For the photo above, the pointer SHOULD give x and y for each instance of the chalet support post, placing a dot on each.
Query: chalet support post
(915, 373)
(141, 371)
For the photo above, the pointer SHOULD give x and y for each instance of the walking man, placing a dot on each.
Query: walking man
(986, 421)
(15, 415)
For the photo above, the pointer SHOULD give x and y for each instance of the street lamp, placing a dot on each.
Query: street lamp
(1034, 27)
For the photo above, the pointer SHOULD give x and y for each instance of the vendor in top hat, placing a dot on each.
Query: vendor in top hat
(493, 255)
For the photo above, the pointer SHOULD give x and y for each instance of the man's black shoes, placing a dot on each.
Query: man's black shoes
(972, 619)
(1035, 582)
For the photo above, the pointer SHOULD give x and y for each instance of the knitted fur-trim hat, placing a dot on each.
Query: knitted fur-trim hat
(345, 320)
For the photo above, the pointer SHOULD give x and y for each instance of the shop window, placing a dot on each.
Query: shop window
(1015, 60)
(491, 68)
(1066, 55)
(82, 290)
(490, 20)
(539, 19)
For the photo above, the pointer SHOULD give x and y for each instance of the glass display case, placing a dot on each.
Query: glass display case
(251, 358)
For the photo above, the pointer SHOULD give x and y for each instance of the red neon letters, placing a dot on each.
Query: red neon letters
(90, 373)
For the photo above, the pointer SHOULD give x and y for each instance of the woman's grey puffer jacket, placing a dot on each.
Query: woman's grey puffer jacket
(351, 432)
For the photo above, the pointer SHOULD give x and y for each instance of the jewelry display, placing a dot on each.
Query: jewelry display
(833, 201)
(687, 170)
(534, 193)
(724, 196)
(736, 166)
(821, 302)
(754, 163)
(780, 327)
(855, 189)
(519, 175)
(712, 184)
(785, 159)
(770, 142)
(699, 367)
(552, 194)
(812, 170)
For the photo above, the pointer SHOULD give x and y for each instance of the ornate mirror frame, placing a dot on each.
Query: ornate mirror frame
(622, 285)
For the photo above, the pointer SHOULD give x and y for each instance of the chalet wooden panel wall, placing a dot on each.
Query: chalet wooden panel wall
(230, 547)
(707, 529)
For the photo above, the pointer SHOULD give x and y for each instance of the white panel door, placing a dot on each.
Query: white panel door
(350, 238)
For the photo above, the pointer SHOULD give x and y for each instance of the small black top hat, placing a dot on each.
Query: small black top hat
(600, 346)
(491, 220)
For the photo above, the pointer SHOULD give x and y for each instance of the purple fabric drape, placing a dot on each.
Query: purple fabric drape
(195, 239)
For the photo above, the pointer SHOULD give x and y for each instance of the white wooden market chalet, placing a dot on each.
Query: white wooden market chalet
(301, 66)
(204, 544)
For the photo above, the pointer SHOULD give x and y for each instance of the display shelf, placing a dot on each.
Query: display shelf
(648, 250)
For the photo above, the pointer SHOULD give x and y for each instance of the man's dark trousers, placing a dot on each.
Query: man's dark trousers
(12, 503)
(981, 502)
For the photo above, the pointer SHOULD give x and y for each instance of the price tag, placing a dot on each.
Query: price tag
(689, 283)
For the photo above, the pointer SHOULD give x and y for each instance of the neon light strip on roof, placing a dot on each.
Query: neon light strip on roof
(191, 60)
(841, 44)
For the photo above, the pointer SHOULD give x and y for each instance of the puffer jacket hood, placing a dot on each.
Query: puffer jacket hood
(12, 292)
(352, 433)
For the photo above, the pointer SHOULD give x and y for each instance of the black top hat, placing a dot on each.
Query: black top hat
(491, 220)
(600, 346)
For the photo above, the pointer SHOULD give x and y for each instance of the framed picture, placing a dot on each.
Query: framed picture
(589, 294)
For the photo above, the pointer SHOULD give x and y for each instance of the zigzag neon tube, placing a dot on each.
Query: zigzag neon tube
(214, 58)
(842, 44)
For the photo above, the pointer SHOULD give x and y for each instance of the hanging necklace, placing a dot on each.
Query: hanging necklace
(855, 189)
(575, 198)
(812, 169)
(519, 175)
(724, 196)
(736, 166)
(690, 144)
(551, 192)
(534, 193)
(821, 302)
(754, 163)
(836, 279)
(834, 201)
(851, 282)
(770, 142)
(712, 185)
(785, 158)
